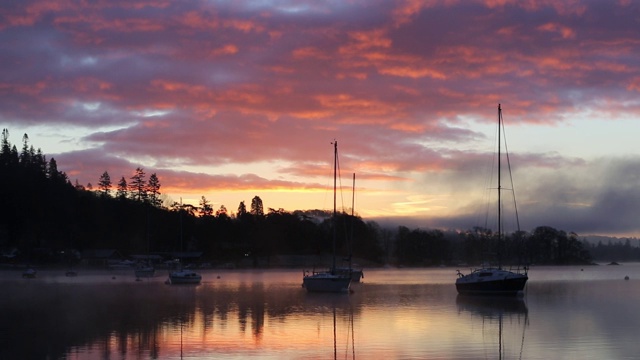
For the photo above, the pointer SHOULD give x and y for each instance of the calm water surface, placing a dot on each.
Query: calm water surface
(565, 313)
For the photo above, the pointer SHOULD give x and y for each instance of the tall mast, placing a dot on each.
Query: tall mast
(335, 171)
(499, 173)
(353, 222)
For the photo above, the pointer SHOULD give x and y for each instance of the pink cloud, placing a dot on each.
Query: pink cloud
(172, 85)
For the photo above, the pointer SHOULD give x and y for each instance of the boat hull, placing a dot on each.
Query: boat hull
(498, 287)
(356, 275)
(491, 282)
(185, 278)
(326, 283)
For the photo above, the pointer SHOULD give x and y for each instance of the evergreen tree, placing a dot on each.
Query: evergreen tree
(78, 186)
(257, 208)
(25, 155)
(105, 184)
(242, 210)
(205, 207)
(40, 161)
(222, 212)
(121, 192)
(54, 174)
(153, 190)
(137, 186)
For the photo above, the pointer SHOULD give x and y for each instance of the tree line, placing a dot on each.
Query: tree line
(44, 213)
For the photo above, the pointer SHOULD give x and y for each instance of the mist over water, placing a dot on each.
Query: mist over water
(565, 313)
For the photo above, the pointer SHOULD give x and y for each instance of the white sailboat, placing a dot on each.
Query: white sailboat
(494, 280)
(332, 280)
(180, 275)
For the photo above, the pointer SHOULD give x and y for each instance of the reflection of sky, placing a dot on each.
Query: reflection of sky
(565, 313)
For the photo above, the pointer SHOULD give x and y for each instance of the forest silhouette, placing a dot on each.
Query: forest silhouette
(46, 217)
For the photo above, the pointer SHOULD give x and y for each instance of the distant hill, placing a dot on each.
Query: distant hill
(605, 240)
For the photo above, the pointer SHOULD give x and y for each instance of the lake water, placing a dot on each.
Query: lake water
(565, 313)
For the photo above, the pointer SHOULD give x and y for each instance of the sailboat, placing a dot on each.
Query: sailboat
(494, 280)
(180, 275)
(331, 280)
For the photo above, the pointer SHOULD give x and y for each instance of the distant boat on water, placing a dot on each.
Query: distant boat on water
(145, 271)
(29, 273)
(184, 276)
(494, 280)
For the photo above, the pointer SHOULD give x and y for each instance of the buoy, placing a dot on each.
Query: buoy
(626, 277)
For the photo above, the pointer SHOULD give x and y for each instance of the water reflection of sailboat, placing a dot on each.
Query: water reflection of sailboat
(350, 336)
(342, 314)
(498, 309)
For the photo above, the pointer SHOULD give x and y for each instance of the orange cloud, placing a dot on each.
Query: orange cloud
(634, 84)
(228, 49)
(564, 31)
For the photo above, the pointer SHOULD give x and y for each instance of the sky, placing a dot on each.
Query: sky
(236, 99)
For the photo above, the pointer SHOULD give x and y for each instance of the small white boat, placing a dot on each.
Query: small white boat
(29, 273)
(145, 271)
(184, 277)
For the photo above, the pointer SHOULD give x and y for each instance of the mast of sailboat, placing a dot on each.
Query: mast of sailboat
(353, 221)
(499, 185)
(499, 174)
(335, 171)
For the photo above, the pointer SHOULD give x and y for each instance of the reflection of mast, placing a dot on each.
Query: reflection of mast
(492, 308)
(350, 331)
(353, 340)
(335, 348)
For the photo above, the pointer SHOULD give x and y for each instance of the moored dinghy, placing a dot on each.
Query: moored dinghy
(184, 277)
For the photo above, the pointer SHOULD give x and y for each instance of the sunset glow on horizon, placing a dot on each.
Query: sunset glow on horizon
(235, 99)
